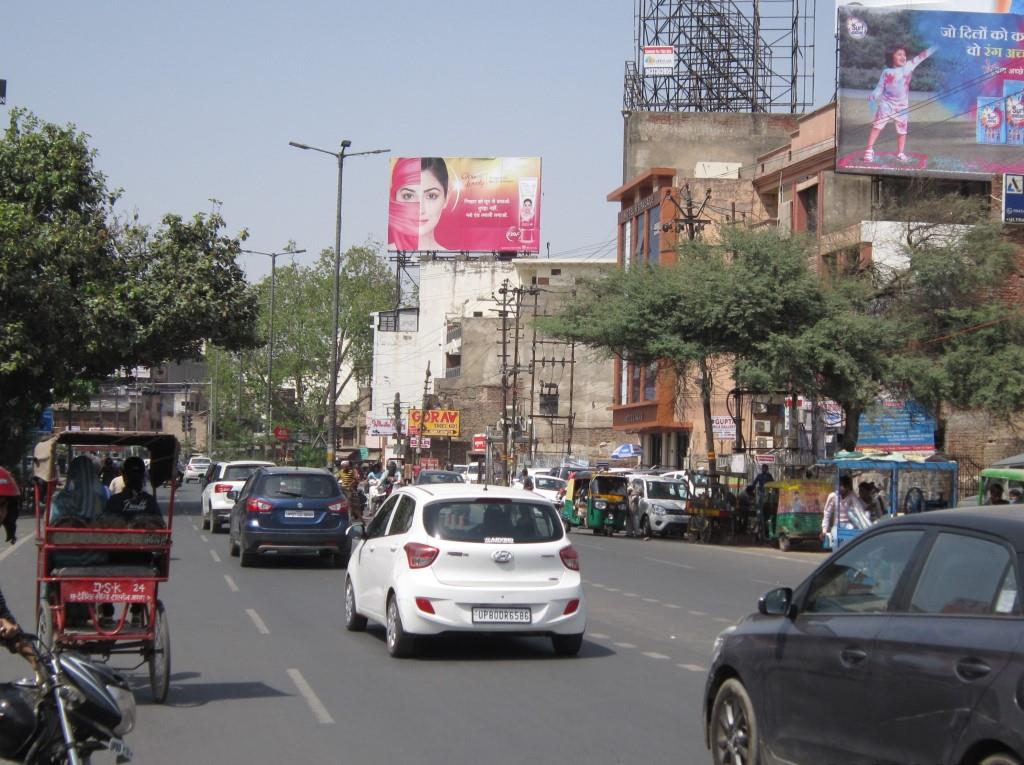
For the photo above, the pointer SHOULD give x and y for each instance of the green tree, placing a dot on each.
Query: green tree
(83, 294)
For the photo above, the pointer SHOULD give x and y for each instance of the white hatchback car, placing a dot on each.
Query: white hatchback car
(227, 476)
(458, 558)
(196, 468)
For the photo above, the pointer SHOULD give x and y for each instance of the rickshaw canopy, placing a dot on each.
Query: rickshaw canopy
(162, 447)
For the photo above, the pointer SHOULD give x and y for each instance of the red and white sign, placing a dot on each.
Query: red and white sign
(282, 433)
(766, 459)
(108, 591)
(479, 442)
(419, 442)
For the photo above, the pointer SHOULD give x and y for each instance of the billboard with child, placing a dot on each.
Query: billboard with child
(930, 92)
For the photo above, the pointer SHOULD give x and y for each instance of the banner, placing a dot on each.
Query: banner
(465, 204)
(724, 428)
(659, 59)
(439, 422)
(897, 426)
(1013, 199)
(381, 426)
(930, 92)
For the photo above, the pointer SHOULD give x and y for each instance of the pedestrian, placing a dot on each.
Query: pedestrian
(108, 472)
(347, 480)
(761, 479)
(527, 480)
(842, 510)
(995, 495)
(632, 510)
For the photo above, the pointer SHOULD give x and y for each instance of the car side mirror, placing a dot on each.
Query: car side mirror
(777, 602)
(233, 495)
(356, 531)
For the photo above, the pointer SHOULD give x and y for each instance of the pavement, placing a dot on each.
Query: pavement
(263, 670)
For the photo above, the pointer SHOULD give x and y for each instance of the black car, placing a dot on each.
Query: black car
(289, 511)
(905, 646)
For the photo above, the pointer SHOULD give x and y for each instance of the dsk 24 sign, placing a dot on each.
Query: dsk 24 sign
(436, 422)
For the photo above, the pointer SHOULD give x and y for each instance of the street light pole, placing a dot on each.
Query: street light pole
(332, 401)
(270, 343)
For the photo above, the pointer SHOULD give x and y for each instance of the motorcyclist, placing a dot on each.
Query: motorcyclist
(9, 633)
(392, 478)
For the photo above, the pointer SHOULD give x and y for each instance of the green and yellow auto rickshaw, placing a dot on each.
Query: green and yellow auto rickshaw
(595, 501)
(792, 511)
(1008, 479)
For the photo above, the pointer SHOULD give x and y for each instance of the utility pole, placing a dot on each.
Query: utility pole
(572, 412)
(397, 414)
(423, 413)
(533, 376)
(504, 291)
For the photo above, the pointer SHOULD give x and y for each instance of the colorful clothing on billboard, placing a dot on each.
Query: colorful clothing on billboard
(891, 97)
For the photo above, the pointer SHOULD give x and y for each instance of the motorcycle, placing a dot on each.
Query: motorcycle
(71, 709)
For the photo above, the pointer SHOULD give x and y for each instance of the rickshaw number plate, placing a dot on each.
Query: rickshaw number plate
(108, 591)
(502, 616)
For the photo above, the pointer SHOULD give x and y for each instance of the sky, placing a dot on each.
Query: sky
(190, 105)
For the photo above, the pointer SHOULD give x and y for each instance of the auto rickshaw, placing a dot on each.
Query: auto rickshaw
(1008, 478)
(792, 511)
(596, 501)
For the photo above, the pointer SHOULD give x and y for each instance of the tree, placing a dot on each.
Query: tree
(83, 294)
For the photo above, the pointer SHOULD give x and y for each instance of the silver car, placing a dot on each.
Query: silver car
(661, 506)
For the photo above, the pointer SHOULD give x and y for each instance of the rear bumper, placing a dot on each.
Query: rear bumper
(284, 541)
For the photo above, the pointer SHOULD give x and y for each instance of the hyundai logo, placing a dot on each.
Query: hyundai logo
(501, 556)
(300, 505)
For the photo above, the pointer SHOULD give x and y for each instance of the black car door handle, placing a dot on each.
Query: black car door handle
(972, 669)
(852, 655)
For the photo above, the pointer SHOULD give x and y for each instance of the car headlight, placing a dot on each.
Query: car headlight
(600, 504)
(126, 703)
(659, 511)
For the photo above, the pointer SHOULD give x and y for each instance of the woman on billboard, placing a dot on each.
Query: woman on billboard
(419, 195)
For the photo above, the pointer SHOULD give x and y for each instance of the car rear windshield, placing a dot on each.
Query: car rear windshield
(548, 482)
(239, 472)
(497, 521)
(666, 490)
(313, 486)
(448, 477)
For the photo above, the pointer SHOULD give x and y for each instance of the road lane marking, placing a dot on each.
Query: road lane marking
(261, 626)
(697, 613)
(598, 635)
(624, 645)
(231, 583)
(654, 655)
(671, 605)
(649, 600)
(668, 562)
(629, 594)
(316, 706)
(596, 584)
(213, 554)
(723, 621)
(763, 581)
(692, 667)
(10, 550)
(612, 589)
(194, 527)
(203, 537)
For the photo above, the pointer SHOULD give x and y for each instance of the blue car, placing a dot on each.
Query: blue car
(286, 511)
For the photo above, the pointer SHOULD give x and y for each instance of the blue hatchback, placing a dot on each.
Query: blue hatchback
(287, 511)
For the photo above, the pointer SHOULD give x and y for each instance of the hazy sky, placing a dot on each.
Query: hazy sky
(189, 101)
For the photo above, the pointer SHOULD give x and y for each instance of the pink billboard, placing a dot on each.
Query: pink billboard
(465, 204)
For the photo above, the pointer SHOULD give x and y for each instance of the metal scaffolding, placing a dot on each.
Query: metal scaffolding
(729, 56)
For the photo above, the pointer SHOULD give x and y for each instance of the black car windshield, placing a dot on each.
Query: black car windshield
(492, 521)
(666, 490)
(292, 485)
(239, 472)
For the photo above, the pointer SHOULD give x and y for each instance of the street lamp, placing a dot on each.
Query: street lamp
(270, 346)
(332, 420)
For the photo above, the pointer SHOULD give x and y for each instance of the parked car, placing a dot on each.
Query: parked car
(221, 478)
(451, 558)
(440, 476)
(903, 646)
(196, 468)
(549, 487)
(661, 508)
(289, 510)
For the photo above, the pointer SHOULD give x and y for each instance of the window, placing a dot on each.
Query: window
(654, 254)
(638, 239)
(347, 435)
(807, 212)
(966, 575)
(556, 271)
(380, 520)
(634, 387)
(239, 472)
(403, 516)
(650, 381)
(500, 521)
(863, 579)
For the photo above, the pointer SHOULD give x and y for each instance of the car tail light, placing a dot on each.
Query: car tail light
(420, 556)
(570, 558)
(571, 607)
(255, 505)
(341, 506)
(424, 605)
(222, 488)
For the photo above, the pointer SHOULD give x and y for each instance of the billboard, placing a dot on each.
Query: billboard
(1013, 199)
(894, 425)
(659, 59)
(465, 204)
(439, 422)
(930, 92)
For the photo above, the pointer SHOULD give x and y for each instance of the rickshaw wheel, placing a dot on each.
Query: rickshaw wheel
(160, 656)
(44, 626)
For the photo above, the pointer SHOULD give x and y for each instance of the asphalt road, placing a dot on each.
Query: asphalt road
(264, 672)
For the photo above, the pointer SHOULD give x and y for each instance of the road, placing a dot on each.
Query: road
(264, 672)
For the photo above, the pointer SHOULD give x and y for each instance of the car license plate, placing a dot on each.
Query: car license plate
(502, 615)
(299, 514)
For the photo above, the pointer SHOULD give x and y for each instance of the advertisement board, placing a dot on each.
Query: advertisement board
(893, 425)
(724, 428)
(1013, 199)
(659, 59)
(930, 92)
(439, 422)
(381, 426)
(465, 204)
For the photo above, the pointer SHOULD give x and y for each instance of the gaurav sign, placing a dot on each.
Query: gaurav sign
(439, 422)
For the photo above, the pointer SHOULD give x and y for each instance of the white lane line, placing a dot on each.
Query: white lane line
(624, 645)
(612, 589)
(649, 600)
(231, 583)
(194, 527)
(723, 621)
(213, 554)
(697, 613)
(261, 626)
(629, 594)
(203, 537)
(654, 655)
(316, 706)
(10, 550)
(596, 584)
(671, 605)
(692, 667)
(597, 635)
(668, 563)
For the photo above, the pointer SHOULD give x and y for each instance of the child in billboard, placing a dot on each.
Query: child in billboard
(419, 194)
(890, 100)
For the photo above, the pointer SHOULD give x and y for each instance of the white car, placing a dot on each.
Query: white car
(456, 558)
(227, 476)
(196, 468)
(548, 486)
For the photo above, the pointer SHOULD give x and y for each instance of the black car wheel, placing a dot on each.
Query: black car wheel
(206, 522)
(400, 644)
(1001, 759)
(567, 645)
(354, 621)
(733, 726)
